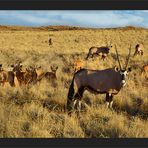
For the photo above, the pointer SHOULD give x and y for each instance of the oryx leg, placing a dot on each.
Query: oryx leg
(141, 52)
(74, 104)
(135, 53)
(78, 97)
(79, 105)
(109, 100)
(103, 57)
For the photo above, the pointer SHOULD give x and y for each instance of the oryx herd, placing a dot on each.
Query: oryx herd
(107, 81)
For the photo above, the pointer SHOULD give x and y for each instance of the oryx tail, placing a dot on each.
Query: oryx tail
(70, 93)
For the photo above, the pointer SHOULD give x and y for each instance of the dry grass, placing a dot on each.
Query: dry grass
(38, 111)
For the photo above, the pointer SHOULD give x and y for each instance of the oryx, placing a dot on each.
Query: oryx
(102, 51)
(139, 49)
(108, 81)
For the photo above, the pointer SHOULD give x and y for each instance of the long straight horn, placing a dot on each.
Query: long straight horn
(106, 41)
(127, 59)
(118, 57)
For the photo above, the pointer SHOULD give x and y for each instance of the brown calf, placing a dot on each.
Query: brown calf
(144, 69)
(51, 76)
(78, 64)
(40, 73)
(6, 76)
(24, 77)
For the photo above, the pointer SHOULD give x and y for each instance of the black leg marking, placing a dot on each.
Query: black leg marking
(79, 94)
(77, 98)
(109, 100)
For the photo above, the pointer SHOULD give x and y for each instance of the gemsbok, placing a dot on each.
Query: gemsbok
(108, 81)
(139, 49)
(101, 51)
(50, 41)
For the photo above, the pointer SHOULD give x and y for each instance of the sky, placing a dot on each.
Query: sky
(82, 18)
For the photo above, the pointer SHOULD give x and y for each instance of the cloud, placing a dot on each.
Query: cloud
(84, 18)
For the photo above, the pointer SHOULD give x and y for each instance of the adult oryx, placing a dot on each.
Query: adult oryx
(139, 49)
(107, 81)
(102, 51)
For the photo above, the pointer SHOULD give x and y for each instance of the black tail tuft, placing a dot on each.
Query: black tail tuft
(70, 94)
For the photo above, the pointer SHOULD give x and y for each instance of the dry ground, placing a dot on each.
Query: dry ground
(38, 110)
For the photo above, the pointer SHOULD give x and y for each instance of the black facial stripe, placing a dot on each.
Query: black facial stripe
(123, 77)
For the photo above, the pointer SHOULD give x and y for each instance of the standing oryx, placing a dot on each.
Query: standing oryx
(107, 81)
(101, 51)
(139, 49)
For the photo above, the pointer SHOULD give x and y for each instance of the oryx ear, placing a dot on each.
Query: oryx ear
(116, 69)
(129, 69)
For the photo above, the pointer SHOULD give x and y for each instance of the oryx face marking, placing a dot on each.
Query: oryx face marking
(123, 74)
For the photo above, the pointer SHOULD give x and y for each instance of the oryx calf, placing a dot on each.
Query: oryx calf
(144, 69)
(78, 64)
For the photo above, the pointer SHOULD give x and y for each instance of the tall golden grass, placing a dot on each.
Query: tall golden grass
(38, 110)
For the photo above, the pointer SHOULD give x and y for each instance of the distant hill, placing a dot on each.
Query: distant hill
(60, 28)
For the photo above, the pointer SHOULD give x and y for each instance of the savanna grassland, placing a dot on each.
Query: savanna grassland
(38, 110)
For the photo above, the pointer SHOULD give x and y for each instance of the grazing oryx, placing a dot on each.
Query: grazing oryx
(78, 64)
(107, 81)
(139, 49)
(50, 41)
(6, 76)
(103, 51)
